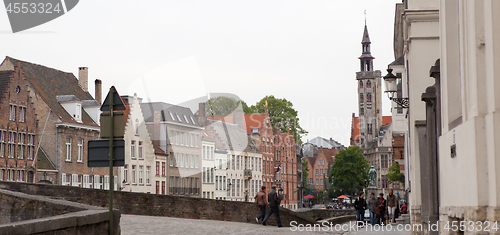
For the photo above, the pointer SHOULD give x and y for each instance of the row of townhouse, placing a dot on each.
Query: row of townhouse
(269, 156)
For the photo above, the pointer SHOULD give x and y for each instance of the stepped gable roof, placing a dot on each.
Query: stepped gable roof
(4, 82)
(49, 83)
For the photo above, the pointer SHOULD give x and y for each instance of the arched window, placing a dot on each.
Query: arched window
(368, 97)
(360, 84)
(368, 84)
(361, 97)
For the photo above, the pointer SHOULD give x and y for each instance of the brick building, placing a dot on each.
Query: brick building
(320, 154)
(17, 128)
(67, 117)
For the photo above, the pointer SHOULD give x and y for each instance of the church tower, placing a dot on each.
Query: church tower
(369, 95)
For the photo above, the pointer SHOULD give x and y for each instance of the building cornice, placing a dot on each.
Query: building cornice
(78, 126)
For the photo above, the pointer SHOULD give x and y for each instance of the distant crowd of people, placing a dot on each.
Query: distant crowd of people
(382, 210)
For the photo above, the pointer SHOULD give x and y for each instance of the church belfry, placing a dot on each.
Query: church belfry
(366, 58)
(369, 95)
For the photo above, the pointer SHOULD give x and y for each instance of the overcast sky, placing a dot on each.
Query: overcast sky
(175, 51)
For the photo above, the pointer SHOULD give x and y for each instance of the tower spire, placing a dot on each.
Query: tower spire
(366, 58)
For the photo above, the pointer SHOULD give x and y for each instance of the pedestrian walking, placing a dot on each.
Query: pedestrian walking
(372, 206)
(261, 201)
(360, 206)
(392, 204)
(382, 206)
(274, 205)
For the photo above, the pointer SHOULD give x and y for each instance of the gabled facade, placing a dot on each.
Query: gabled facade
(18, 133)
(66, 116)
(140, 160)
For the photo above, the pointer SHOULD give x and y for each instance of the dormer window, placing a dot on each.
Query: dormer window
(78, 113)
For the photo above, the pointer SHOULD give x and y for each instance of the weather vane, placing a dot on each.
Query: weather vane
(365, 17)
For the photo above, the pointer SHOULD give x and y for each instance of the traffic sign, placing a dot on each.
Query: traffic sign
(98, 153)
(117, 101)
(118, 124)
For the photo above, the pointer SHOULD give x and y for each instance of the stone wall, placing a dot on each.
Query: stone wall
(158, 205)
(324, 214)
(29, 214)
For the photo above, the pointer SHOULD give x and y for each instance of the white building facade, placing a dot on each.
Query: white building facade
(208, 168)
(137, 174)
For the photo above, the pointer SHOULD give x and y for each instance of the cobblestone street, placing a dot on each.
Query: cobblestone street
(146, 225)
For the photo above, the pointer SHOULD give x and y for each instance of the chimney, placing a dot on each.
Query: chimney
(83, 78)
(98, 91)
(202, 119)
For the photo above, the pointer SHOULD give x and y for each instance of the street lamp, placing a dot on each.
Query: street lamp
(391, 90)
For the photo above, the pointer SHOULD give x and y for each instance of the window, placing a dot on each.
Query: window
(132, 149)
(216, 182)
(369, 84)
(20, 145)
(136, 125)
(204, 175)
(369, 97)
(22, 113)
(361, 111)
(68, 148)
(163, 169)
(369, 127)
(360, 84)
(171, 116)
(185, 118)
(317, 172)
(171, 156)
(148, 171)
(140, 174)
(321, 171)
(361, 98)
(157, 168)
(80, 150)
(157, 187)
(163, 187)
(196, 161)
(204, 153)
(12, 112)
(31, 146)
(178, 118)
(317, 181)
(2, 144)
(181, 159)
(192, 120)
(140, 150)
(320, 181)
(125, 174)
(133, 174)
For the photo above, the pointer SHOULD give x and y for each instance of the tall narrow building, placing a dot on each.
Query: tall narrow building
(369, 93)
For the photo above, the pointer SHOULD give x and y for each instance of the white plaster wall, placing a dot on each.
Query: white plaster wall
(148, 151)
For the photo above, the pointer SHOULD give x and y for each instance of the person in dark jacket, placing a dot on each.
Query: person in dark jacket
(274, 205)
(382, 205)
(360, 206)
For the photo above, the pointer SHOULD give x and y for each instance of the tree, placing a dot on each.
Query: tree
(395, 174)
(305, 174)
(349, 171)
(223, 105)
(283, 115)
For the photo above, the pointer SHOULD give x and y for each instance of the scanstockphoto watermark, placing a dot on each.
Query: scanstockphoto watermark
(26, 14)
(353, 226)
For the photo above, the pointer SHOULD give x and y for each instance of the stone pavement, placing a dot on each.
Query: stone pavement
(146, 225)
